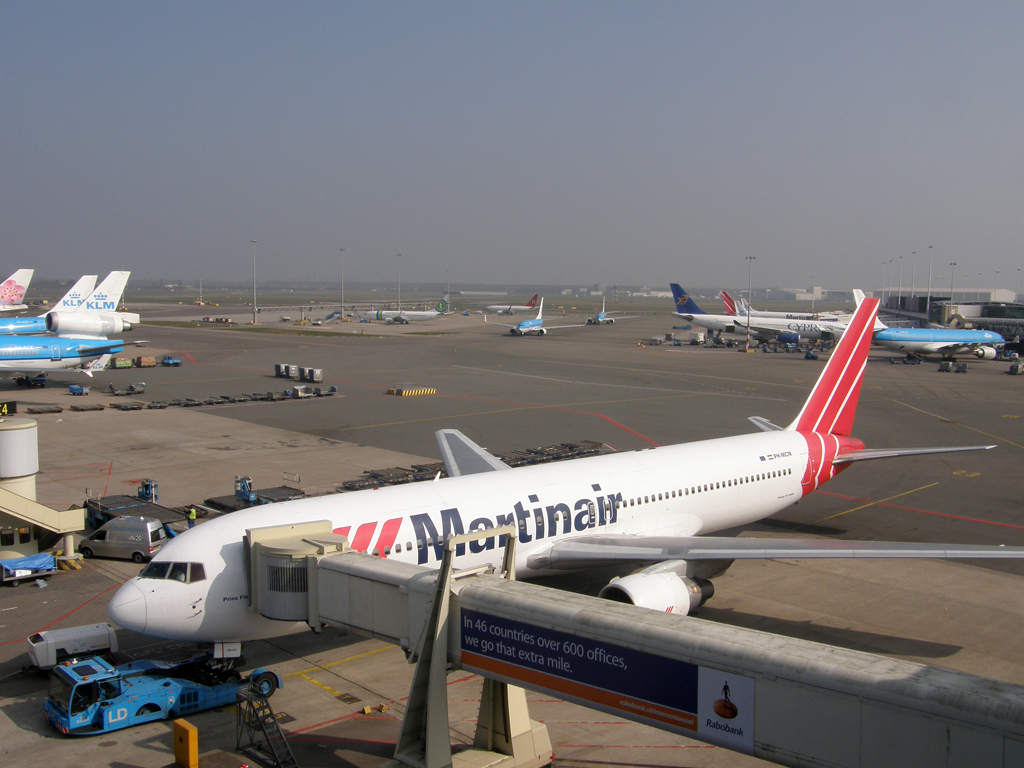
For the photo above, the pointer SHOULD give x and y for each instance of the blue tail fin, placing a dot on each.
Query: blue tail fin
(684, 304)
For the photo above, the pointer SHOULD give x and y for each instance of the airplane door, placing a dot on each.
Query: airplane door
(54, 352)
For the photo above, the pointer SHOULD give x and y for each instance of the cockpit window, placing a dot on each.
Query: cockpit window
(183, 572)
(155, 571)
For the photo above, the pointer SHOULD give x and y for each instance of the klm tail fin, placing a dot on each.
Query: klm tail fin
(540, 310)
(107, 294)
(78, 293)
(684, 304)
(730, 304)
(833, 401)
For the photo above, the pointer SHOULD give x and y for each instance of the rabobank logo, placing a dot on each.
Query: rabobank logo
(724, 707)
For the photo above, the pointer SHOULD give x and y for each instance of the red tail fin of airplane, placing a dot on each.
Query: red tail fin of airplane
(730, 303)
(833, 401)
(533, 301)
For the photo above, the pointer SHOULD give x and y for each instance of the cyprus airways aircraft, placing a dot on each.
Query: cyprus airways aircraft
(647, 506)
(687, 308)
(513, 309)
(390, 316)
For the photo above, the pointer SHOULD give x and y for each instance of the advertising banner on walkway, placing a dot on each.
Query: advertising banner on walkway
(671, 694)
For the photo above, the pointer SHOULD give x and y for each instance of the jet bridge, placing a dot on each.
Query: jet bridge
(788, 701)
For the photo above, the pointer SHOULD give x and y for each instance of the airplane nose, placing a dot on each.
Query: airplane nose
(128, 608)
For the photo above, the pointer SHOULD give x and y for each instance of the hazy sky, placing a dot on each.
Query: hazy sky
(514, 142)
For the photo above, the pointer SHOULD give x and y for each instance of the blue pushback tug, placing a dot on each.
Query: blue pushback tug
(90, 696)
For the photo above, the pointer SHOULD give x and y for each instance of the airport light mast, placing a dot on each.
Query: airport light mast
(342, 250)
(750, 296)
(928, 302)
(253, 241)
(952, 271)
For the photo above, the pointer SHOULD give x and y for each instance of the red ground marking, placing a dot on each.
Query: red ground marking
(925, 511)
(185, 354)
(95, 597)
(110, 469)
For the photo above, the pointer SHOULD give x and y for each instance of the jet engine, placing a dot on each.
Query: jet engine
(985, 353)
(543, 332)
(101, 324)
(660, 590)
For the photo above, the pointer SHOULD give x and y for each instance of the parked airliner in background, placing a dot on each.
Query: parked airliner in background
(71, 301)
(13, 289)
(744, 308)
(512, 309)
(605, 318)
(401, 316)
(639, 508)
(947, 342)
(533, 326)
(687, 309)
(21, 356)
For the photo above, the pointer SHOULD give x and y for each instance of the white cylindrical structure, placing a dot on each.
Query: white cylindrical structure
(19, 464)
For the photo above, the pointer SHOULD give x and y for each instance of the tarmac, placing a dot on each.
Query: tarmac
(509, 393)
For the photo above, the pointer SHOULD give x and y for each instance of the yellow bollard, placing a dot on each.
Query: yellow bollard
(186, 744)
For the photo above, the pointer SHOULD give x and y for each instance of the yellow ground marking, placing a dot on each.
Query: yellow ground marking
(327, 688)
(873, 503)
(959, 424)
(304, 672)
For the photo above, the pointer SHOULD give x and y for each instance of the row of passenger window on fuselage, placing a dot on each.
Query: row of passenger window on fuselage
(183, 572)
(693, 490)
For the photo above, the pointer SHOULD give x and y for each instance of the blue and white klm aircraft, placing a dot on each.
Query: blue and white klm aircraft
(84, 311)
(605, 318)
(533, 326)
(947, 342)
(647, 509)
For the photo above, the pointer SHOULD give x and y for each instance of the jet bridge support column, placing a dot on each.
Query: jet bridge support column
(505, 735)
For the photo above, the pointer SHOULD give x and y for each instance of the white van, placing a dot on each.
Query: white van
(49, 648)
(125, 537)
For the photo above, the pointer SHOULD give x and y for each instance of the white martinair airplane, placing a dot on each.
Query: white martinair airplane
(649, 507)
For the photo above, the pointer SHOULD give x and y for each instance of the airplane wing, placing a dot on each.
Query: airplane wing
(557, 327)
(464, 457)
(763, 424)
(888, 453)
(503, 325)
(589, 551)
(99, 364)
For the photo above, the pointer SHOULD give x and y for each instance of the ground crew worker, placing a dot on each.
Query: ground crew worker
(192, 514)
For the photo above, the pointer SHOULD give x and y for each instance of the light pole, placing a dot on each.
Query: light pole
(399, 285)
(750, 296)
(342, 252)
(913, 275)
(899, 296)
(448, 278)
(928, 303)
(1015, 282)
(883, 283)
(253, 241)
(812, 294)
(952, 271)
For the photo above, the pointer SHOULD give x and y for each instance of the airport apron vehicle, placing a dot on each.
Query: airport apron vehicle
(90, 696)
